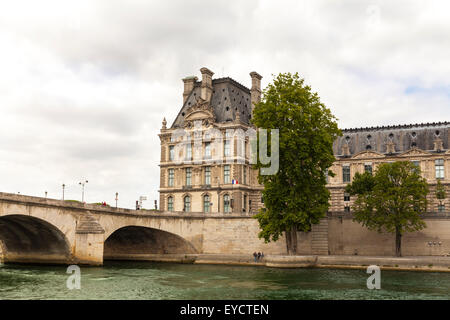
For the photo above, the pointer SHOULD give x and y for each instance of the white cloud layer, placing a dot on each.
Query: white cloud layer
(84, 85)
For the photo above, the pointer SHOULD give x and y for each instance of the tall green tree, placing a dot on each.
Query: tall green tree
(295, 197)
(392, 200)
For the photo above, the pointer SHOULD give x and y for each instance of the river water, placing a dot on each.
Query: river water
(146, 280)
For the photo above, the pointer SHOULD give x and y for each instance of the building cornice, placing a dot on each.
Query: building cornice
(400, 126)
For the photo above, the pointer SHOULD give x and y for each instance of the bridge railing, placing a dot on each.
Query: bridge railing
(98, 208)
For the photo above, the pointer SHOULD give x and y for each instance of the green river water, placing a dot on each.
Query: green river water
(146, 280)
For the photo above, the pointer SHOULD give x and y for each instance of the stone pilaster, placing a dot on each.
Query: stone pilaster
(89, 238)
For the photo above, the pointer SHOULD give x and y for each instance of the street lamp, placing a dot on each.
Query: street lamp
(117, 198)
(45, 194)
(82, 188)
(63, 186)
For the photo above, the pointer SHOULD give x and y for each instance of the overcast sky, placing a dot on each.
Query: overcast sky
(84, 85)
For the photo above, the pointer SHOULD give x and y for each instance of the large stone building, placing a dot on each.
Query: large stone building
(193, 181)
(211, 172)
(363, 149)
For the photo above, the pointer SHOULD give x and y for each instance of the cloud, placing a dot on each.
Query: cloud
(84, 85)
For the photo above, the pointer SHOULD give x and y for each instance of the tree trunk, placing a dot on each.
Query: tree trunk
(288, 242)
(291, 241)
(294, 240)
(398, 242)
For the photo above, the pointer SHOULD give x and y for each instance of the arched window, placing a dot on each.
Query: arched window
(187, 204)
(226, 203)
(206, 203)
(170, 203)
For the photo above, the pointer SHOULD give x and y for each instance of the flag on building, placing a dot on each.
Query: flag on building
(234, 181)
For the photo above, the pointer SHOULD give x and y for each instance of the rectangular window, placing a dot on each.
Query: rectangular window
(441, 207)
(171, 153)
(171, 177)
(227, 148)
(346, 174)
(417, 164)
(368, 168)
(206, 203)
(244, 174)
(188, 176)
(439, 164)
(188, 152)
(226, 174)
(245, 149)
(226, 203)
(170, 204)
(207, 175)
(208, 150)
(346, 196)
(187, 204)
(347, 209)
(245, 203)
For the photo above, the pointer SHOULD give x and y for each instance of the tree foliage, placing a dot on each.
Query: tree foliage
(440, 191)
(295, 197)
(392, 200)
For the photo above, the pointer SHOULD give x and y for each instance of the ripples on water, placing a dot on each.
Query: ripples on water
(141, 280)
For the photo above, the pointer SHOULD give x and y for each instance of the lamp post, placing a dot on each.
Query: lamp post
(117, 198)
(82, 189)
(45, 194)
(63, 186)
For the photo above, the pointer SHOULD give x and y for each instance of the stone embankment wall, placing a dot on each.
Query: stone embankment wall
(346, 237)
(335, 235)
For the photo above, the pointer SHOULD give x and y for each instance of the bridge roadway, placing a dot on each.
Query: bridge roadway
(41, 230)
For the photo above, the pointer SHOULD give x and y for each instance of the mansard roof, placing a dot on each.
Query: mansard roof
(228, 98)
(404, 138)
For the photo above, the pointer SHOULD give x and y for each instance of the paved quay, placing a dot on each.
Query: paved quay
(410, 263)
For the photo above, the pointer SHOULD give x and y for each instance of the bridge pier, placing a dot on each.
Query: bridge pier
(89, 238)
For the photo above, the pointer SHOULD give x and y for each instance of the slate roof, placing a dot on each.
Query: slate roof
(404, 137)
(228, 98)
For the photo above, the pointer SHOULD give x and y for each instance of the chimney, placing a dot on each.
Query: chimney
(255, 91)
(188, 86)
(206, 88)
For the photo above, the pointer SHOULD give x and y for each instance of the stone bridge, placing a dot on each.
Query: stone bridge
(40, 230)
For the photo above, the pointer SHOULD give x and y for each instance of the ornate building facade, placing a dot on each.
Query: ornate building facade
(205, 163)
(363, 149)
(200, 175)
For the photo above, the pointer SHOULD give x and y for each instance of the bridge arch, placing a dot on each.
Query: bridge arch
(28, 239)
(128, 242)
